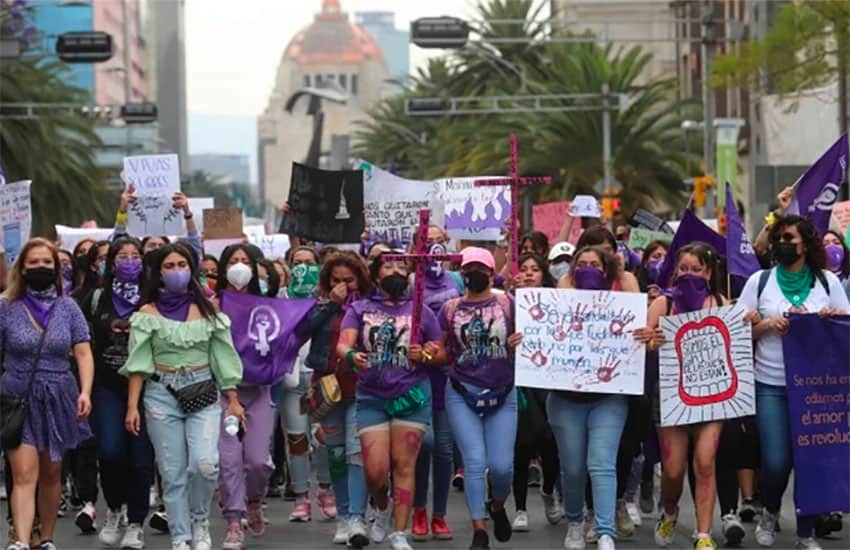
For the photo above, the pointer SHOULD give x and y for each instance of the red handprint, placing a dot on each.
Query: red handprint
(577, 318)
(534, 306)
(605, 372)
(560, 333)
(534, 353)
(623, 318)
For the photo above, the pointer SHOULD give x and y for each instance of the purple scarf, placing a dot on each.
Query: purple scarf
(174, 305)
(40, 304)
(125, 298)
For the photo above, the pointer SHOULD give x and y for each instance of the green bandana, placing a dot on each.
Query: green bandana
(795, 286)
(304, 280)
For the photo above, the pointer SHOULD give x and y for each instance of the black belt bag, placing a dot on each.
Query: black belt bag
(194, 397)
(485, 401)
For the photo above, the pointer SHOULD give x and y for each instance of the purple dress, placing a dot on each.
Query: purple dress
(52, 423)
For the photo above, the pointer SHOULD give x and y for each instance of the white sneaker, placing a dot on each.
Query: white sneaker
(766, 529)
(85, 518)
(18, 546)
(625, 525)
(182, 545)
(357, 532)
(606, 542)
(341, 533)
(665, 530)
(733, 531)
(134, 537)
(201, 539)
(552, 507)
(381, 527)
(124, 520)
(575, 536)
(808, 544)
(520, 524)
(634, 513)
(398, 541)
(590, 527)
(110, 535)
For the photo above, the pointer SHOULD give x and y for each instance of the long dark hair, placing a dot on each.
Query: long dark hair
(153, 284)
(272, 277)
(109, 276)
(254, 253)
(812, 241)
(609, 263)
(539, 242)
(642, 274)
(596, 236)
(91, 279)
(543, 264)
(708, 257)
(350, 260)
(844, 271)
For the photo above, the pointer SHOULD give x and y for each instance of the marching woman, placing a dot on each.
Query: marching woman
(800, 282)
(182, 352)
(245, 459)
(342, 280)
(481, 400)
(534, 436)
(393, 392)
(588, 426)
(125, 461)
(602, 237)
(838, 258)
(43, 408)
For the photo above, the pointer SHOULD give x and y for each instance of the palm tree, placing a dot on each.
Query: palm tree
(56, 149)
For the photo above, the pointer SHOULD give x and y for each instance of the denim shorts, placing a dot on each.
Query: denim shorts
(371, 415)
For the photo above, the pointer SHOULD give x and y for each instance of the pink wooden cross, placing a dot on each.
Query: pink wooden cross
(514, 181)
(421, 258)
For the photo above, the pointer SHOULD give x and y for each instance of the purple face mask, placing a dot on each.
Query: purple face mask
(589, 278)
(176, 280)
(128, 271)
(434, 270)
(834, 257)
(653, 270)
(689, 293)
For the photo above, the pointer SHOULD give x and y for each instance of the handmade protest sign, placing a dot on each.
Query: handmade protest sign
(580, 340)
(470, 212)
(273, 246)
(818, 394)
(16, 208)
(267, 333)
(420, 259)
(585, 206)
(639, 238)
(706, 366)
(841, 216)
(11, 241)
(69, 237)
(155, 179)
(550, 217)
(514, 181)
(392, 204)
(197, 205)
(325, 205)
(223, 223)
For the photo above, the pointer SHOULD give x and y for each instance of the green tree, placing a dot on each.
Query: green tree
(56, 149)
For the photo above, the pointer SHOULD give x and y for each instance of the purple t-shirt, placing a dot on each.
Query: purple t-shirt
(477, 342)
(384, 335)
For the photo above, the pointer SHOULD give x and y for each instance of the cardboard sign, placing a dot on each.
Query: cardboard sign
(155, 178)
(580, 340)
(550, 217)
(470, 212)
(639, 238)
(706, 367)
(392, 204)
(223, 223)
(214, 247)
(585, 206)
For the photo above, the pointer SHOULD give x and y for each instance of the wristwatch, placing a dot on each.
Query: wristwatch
(188, 216)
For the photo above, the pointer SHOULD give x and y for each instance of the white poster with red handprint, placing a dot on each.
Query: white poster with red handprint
(580, 340)
(705, 366)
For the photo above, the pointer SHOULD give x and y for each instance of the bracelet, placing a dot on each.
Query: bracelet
(652, 345)
(188, 216)
(121, 218)
(349, 358)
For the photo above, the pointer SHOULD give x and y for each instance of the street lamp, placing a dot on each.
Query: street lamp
(314, 108)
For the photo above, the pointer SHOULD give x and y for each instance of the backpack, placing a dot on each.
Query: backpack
(764, 275)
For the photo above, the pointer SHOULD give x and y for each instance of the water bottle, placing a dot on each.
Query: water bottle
(231, 425)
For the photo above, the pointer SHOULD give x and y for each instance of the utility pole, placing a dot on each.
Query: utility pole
(606, 141)
(843, 39)
(125, 15)
(708, 41)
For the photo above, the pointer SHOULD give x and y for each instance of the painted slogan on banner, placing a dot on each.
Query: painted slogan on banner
(706, 366)
(580, 340)
(392, 204)
(470, 212)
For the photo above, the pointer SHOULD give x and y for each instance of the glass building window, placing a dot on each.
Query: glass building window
(306, 81)
(343, 81)
(354, 84)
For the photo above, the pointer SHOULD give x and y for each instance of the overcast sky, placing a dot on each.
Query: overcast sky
(233, 48)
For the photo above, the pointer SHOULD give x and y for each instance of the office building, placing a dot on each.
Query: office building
(224, 168)
(395, 43)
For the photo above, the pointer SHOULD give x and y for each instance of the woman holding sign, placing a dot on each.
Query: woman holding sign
(393, 391)
(800, 283)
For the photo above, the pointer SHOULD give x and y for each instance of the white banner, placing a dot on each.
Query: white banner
(580, 340)
(69, 237)
(155, 179)
(705, 367)
(470, 212)
(392, 203)
(273, 246)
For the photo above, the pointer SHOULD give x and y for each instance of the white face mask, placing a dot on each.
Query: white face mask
(559, 270)
(239, 275)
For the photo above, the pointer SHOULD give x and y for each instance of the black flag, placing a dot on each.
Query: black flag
(325, 205)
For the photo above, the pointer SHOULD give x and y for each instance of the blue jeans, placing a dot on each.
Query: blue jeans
(438, 444)
(344, 459)
(297, 427)
(125, 461)
(484, 442)
(588, 436)
(776, 457)
(186, 447)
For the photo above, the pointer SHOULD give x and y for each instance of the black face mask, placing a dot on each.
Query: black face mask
(40, 278)
(785, 254)
(394, 285)
(476, 281)
(81, 263)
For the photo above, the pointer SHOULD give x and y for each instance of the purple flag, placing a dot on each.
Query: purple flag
(819, 187)
(691, 229)
(266, 333)
(818, 410)
(741, 259)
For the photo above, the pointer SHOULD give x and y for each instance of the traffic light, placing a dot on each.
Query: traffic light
(701, 185)
(425, 105)
(439, 32)
(84, 47)
(139, 113)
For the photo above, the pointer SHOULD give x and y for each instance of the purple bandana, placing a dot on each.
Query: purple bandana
(40, 304)
(125, 297)
(174, 305)
(689, 293)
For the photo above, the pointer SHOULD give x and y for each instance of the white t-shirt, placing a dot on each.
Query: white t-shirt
(769, 360)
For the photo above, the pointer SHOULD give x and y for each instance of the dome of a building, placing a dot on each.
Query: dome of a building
(332, 39)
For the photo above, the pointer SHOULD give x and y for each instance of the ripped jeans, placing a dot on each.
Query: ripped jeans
(299, 439)
(346, 464)
(186, 448)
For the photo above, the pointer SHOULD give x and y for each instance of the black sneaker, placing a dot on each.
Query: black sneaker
(748, 510)
(480, 540)
(457, 480)
(159, 522)
(501, 525)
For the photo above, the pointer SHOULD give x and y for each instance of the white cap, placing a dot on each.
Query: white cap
(561, 249)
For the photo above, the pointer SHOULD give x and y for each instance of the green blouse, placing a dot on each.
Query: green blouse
(156, 340)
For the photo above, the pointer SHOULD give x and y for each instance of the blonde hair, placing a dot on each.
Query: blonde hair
(16, 285)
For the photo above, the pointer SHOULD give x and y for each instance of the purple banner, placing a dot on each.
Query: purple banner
(819, 410)
(266, 333)
(740, 256)
(819, 187)
(691, 229)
